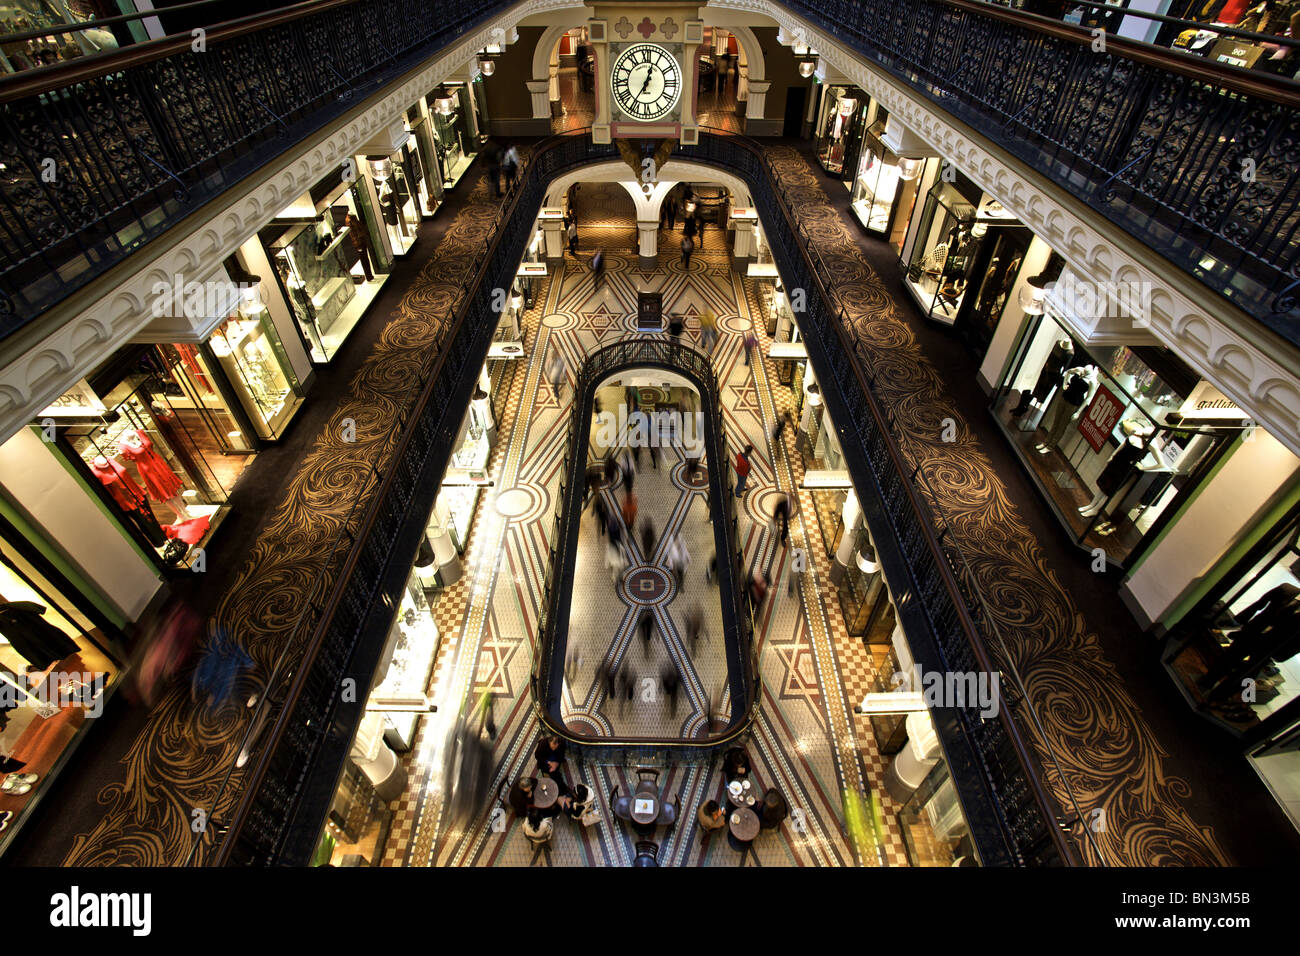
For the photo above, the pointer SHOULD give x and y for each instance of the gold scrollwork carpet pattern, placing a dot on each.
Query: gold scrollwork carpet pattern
(177, 765)
(1102, 744)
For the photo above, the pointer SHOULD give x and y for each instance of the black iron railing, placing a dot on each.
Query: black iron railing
(738, 626)
(103, 153)
(1195, 159)
(272, 812)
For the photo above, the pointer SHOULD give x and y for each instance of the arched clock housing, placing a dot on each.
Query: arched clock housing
(646, 82)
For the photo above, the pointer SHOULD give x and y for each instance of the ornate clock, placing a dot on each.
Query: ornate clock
(646, 81)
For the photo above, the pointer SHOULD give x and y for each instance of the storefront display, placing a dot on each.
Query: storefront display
(994, 269)
(329, 260)
(191, 389)
(1105, 435)
(449, 106)
(414, 642)
(428, 184)
(840, 129)
(153, 470)
(938, 276)
(885, 182)
(56, 666)
(397, 185)
(249, 352)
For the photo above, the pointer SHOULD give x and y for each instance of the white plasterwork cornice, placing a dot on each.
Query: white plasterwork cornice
(1242, 357)
(79, 333)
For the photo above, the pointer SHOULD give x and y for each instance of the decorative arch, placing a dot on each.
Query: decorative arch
(672, 172)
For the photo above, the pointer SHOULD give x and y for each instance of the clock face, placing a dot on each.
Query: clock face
(647, 81)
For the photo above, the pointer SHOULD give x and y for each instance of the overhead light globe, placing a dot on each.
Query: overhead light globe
(866, 559)
(487, 66)
(443, 102)
(1032, 295)
(979, 230)
(909, 169)
(806, 67)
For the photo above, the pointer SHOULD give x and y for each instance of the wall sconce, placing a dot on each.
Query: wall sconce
(909, 169)
(1033, 294)
(444, 102)
(867, 561)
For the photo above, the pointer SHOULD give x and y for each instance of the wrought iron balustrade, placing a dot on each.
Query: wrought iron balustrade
(1197, 160)
(103, 153)
(737, 620)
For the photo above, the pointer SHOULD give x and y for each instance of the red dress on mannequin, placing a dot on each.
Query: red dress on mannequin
(118, 482)
(158, 478)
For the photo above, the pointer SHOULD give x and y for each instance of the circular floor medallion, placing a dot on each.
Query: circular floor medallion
(645, 585)
(515, 502)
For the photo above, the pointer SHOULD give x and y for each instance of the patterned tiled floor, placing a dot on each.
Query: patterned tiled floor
(806, 741)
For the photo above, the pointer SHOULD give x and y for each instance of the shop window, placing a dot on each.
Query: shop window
(1104, 435)
(449, 108)
(1238, 654)
(56, 664)
(934, 828)
(249, 352)
(945, 246)
(396, 188)
(328, 257)
(840, 129)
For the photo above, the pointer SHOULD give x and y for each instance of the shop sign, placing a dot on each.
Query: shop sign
(77, 402)
(1206, 401)
(1236, 53)
(1100, 418)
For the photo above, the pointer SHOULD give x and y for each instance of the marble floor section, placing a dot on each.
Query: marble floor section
(806, 741)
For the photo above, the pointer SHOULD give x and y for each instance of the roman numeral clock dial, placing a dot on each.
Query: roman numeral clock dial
(646, 82)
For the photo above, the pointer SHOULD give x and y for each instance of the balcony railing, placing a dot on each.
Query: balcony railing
(271, 811)
(103, 153)
(737, 619)
(1194, 159)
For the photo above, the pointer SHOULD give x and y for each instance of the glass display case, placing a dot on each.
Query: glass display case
(941, 255)
(249, 351)
(876, 185)
(398, 190)
(840, 129)
(414, 640)
(428, 184)
(330, 261)
(1105, 434)
(448, 110)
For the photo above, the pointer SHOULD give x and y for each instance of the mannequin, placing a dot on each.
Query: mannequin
(35, 639)
(1076, 391)
(1050, 377)
(1114, 477)
(162, 482)
(387, 205)
(361, 243)
(129, 496)
(1270, 630)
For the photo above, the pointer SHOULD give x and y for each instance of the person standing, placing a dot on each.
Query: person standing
(781, 512)
(573, 238)
(751, 342)
(688, 246)
(598, 268)
(511, 165)
(360, 242)
(647, 538)
(646, 626)
(494, 167)
(699, 228)
(629, 510)
(742, 470)
(708, 329)
(670, 211)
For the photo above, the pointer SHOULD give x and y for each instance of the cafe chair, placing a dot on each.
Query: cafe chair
(647, 853)
(621, 807)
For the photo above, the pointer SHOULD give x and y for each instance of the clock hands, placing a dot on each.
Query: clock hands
(649, 71)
